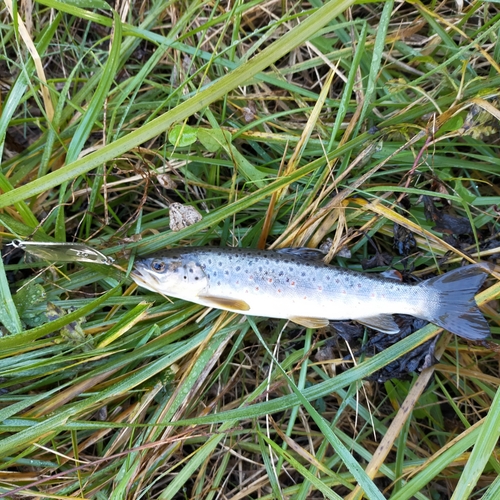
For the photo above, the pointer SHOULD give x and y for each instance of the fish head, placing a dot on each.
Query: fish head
(173, 276)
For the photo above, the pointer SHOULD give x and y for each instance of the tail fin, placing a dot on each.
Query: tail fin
(458, 312)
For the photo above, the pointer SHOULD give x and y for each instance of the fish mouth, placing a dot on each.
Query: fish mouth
(143, 277)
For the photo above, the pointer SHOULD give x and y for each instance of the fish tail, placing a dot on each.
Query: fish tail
(457, 310)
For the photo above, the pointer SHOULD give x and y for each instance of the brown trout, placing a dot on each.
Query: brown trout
(295, 284)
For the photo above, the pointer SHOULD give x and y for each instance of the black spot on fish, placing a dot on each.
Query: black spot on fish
(220, 263)
(196, 278)
(302, 273)
(209, 261)
(191, 270)
(218, 282)
(238, 268)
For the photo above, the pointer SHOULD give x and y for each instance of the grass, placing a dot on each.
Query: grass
(373, 126)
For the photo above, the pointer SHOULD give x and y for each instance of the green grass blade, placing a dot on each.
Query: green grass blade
(8, 311)
(205, 97)
(361, 477)
(483, 448)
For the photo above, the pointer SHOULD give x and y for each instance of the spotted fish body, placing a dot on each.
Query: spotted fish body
(295, 284)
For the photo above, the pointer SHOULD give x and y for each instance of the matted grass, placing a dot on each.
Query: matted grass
(284, 124)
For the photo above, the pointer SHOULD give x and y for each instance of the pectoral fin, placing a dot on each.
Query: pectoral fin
(310, 322)
(225, 303)
(383, 323)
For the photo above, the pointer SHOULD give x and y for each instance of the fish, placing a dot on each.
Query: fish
(295, 284)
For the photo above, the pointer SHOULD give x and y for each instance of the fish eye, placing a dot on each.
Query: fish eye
(158, 266)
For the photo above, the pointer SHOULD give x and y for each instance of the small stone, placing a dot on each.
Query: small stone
(182, 216)
(166, 181)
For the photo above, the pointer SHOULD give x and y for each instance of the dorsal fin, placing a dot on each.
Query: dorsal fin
(302, 253)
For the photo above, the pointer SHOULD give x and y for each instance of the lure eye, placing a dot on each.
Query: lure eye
(158, 266)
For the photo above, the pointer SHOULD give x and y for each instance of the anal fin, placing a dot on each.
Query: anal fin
(383, 323)
(310, 322)
(226, 303)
